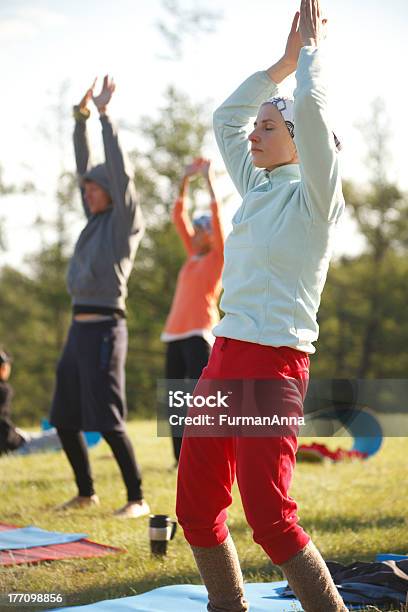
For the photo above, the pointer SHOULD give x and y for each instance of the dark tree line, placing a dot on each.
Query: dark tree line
(362, 318)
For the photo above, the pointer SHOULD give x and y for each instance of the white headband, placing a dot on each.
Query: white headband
(286, 107)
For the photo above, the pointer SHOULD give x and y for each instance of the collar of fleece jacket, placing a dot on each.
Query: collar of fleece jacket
(283, 173)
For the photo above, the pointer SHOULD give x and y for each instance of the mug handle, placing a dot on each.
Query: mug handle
(173, 529)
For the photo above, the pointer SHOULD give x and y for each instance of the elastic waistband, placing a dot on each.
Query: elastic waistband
(231, 358)
(222, 341)
(116, 313)
(103, 323)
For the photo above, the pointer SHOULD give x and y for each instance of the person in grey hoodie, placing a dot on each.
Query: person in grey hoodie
(90, 380)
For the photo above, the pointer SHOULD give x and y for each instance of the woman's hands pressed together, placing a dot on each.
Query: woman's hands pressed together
(294, 44)
(288, 62)
(308, 29)
(312, 28)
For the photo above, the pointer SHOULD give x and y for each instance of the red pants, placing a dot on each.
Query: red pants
(263, 466)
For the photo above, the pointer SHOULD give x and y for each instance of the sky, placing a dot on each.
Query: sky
(50, 44)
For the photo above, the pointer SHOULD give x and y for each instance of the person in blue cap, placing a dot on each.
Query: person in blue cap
(90, 382)
(194, 310)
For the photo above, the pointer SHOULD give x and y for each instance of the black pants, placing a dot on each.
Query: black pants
(74, 445)
(185, 359)
(90, 395)
(90, 389)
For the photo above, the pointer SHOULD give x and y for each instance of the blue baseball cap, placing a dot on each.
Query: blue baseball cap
(203, 222)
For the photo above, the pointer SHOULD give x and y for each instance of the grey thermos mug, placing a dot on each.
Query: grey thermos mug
(162, 529)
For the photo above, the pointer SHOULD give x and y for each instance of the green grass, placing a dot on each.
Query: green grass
(351, 510)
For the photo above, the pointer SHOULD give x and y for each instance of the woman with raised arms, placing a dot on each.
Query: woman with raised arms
(276, 260)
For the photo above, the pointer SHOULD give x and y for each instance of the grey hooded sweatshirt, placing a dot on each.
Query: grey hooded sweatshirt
(105, 251)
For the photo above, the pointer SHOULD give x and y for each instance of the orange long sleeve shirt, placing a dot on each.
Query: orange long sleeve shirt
(194, 310)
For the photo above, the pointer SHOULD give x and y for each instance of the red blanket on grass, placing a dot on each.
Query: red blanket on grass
(318, 452)
(81, 548)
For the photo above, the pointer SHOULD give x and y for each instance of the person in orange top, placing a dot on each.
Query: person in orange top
(194, 310)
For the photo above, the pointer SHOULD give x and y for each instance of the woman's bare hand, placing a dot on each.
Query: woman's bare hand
(294, 43)
(194, 167)
(288, 62)
(83, 105)
(312, 27)
(102, 100)
(206, 169)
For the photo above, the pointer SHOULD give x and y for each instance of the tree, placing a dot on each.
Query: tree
(345, 313)
(182, 22)
(49, 265)
(25, 333)
(381, 213)
(6, 190)
(362, 316)
(172, 139)
(35, 307)
(178, 134)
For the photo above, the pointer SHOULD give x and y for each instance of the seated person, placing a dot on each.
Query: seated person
(13, 439)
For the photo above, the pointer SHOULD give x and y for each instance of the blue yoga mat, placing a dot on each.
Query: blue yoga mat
(193, 598)
(390, 557)
(92, 437)
(28, 537)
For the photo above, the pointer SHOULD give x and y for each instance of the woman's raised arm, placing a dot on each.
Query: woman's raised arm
(315, 143)
(216, 224)
(81, 144)
(231, 119)
(180, 216)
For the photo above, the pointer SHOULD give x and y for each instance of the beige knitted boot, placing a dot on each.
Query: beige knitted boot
(221, 573)
(310, 579)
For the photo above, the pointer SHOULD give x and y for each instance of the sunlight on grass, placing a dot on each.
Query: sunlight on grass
(352, 510)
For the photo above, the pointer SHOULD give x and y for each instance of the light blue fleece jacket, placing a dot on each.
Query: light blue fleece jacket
(278, 253)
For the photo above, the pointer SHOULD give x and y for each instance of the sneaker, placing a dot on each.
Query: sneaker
(134, 509)
(79, 502)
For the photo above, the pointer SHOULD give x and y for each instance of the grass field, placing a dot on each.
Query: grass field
(352, 511)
